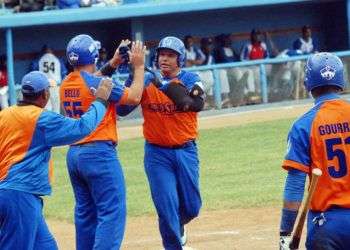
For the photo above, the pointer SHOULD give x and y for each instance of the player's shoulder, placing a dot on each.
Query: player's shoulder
(148, 78)
(47, 118)
(188, 77)
(90, 79)
(304, 122)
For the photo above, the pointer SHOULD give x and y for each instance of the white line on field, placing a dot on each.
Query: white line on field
(257, 238)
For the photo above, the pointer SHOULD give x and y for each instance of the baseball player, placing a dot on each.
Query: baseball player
(170, 103)
(94, 168)
(28, 132)
(320, 139)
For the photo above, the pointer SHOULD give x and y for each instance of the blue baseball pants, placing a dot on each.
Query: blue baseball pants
(329, 230)
(173, 176)
(22, 224)
(99, 189)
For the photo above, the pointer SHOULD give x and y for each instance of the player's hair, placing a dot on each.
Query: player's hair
(32, 96)
(305, 28)
(321, 90)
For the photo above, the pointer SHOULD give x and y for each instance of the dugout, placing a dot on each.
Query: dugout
(23, 34)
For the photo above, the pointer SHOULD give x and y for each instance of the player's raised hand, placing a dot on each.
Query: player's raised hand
(117, 57)
(104, 89)
(137, 54)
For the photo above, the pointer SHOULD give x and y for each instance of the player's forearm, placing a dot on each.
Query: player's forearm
(293, 195)
(62, 131)
(108, 69)
(136, 88)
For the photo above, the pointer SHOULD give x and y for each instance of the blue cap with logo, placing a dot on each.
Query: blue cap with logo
(34, 82)
(324, 69)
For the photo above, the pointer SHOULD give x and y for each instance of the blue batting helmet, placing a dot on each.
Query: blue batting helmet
(82, 50)
(175, 44)
(323, 69)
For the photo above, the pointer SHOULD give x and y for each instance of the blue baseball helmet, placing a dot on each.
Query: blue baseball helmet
(82, 50)
(175, 44)
(323, 69)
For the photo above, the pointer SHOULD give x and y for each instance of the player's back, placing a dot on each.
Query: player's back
(51, 66)
(76, 97)
(330, 151)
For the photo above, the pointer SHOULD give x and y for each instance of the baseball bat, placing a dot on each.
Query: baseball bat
(294, 244)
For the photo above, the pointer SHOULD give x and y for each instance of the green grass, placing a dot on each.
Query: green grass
(240, 167)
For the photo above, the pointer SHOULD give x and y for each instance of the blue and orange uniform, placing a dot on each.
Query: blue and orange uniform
(171, 157)
(94, 168)
(320, 139)
(28, 133)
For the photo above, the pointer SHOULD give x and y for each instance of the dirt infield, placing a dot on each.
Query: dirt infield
(235, 229)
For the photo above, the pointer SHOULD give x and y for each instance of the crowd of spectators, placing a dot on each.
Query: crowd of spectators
(39, 5)
(241, 85)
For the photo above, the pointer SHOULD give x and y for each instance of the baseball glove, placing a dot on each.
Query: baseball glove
(178, 93)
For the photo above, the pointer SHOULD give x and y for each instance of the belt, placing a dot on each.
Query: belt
(185, 145)
(95, 143)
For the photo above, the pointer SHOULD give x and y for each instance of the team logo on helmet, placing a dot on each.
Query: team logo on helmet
(96, 45)
(168, 42)
(73, 57)
(328, 72)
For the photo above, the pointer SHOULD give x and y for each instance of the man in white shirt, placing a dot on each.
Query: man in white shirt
(55, 70)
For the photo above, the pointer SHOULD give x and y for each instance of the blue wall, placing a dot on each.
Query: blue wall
(242, 20)
(31, 40)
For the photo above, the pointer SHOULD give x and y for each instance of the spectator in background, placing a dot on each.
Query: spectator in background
(285, 79)
(256, 48)
(3, 83)
(224, 52)
(194, 55)
(207, 51)
(68, 4)
(102, 58)
(206, 47)
(55, 70)
(237, 79)
(305, 42)
(10, 4)
(29, 5)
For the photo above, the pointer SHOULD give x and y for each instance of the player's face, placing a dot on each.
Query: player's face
(167, 61)
(45, 97)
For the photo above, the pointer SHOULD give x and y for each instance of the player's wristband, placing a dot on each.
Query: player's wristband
(104, 102)
(288, 220)
(107, 70)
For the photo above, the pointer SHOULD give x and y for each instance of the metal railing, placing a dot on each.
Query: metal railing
(259, 65)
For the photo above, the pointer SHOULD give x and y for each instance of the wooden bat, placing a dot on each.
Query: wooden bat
(294, 244)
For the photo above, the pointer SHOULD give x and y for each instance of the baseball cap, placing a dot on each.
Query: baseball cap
(34, 82)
